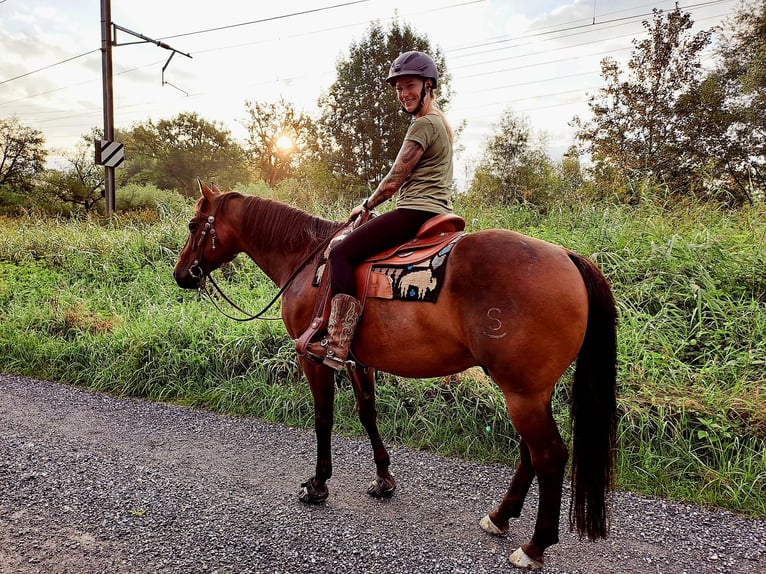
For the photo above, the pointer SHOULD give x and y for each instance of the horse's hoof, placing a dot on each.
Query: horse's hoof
(382, 487)
(520, 560)
(488, 526)
(310, 494)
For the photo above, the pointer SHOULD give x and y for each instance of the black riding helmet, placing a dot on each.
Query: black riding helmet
(413, 63)
(418, 64)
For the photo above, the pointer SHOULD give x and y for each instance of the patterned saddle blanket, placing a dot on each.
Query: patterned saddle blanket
(413, 271)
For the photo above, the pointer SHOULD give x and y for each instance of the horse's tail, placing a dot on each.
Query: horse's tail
(594, 408)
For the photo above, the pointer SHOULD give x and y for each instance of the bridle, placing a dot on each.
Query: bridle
(196, 271)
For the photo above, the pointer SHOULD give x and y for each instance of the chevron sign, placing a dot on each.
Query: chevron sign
(109, 154)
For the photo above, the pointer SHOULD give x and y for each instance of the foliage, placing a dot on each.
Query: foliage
(22, 154)
(172, 154)
(133, 197)
(514, 166)
(80, 182)
(639, 125)
(361, 124)
(273, 158)
(11, 201)
(92, 302)
(739, 86)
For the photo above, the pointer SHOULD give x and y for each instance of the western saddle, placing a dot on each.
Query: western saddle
(432, 236)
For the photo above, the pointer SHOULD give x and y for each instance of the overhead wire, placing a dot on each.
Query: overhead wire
(568, 27)
(270, 19)
(572, 25)
(485, 88)
(263, 20)
(48, 67)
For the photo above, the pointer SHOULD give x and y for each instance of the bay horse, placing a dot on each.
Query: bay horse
(520, 308)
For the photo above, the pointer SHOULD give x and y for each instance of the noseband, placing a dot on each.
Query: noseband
(209, 231)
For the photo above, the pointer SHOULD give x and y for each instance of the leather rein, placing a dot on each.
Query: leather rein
(196, 271)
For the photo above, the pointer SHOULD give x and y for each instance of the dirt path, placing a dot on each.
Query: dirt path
(90, 483)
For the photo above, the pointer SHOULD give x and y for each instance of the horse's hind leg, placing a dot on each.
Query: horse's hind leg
(533, 419)
(363, 380)
(498, 521)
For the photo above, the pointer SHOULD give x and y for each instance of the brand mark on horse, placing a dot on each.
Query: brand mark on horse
(497, 324)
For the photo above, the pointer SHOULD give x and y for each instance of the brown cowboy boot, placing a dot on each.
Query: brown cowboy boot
(333, 349)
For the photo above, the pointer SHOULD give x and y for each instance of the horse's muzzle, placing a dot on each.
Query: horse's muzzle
(191, 278)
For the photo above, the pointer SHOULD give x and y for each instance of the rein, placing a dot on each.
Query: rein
(196, 271)
(259, 314)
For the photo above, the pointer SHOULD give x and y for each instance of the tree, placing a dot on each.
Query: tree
(172, 154)
(638, 125)
(738, 87)
(361, 124)
(514, 166)
(721, 141)
(22, 155)
(278, 139)
(81, 181)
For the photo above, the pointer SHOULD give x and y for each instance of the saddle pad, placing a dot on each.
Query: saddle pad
(419, 281)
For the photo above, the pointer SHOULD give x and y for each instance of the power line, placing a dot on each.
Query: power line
(273, 18)
(262, 20)
(570, 26)
(555, 78)
(343, 27)
(49, 66)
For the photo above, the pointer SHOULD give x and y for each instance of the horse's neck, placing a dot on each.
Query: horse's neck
(273, 240)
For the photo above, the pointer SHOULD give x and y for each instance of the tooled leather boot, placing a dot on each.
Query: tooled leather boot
(333, 348)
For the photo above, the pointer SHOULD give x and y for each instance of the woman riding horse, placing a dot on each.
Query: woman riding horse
(421, 174)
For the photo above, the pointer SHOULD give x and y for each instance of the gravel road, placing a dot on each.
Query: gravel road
(92, 483)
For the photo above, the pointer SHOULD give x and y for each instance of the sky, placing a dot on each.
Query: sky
(539, 59)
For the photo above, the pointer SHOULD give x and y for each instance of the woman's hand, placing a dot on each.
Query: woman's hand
(356, 212)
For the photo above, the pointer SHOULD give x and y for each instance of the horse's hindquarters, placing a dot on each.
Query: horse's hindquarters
(509, 303)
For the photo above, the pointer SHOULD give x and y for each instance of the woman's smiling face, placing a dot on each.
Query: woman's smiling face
(408, 91)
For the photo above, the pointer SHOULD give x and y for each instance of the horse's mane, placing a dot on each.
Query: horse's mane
(269, 221)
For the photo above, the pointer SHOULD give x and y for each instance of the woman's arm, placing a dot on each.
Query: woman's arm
(408, 157)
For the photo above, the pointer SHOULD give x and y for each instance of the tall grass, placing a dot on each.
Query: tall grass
(93, 303)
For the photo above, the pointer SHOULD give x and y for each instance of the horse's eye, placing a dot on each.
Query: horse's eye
(192, 226)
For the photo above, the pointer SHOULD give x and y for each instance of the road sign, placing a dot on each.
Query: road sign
(109, 154)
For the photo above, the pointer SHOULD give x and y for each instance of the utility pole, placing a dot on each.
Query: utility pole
(109, 153)
(106, 77)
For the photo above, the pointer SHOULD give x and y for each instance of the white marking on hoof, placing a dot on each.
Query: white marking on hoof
(520, 560)
(488, 526)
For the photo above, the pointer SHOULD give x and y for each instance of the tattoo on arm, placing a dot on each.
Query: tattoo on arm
(406, 160)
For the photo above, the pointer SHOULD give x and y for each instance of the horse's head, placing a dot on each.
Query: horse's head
(210, 243)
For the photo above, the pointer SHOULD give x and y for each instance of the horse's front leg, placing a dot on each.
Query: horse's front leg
(322, 382)
(363, 380)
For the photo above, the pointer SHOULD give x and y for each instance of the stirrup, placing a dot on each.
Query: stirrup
(337, 364)
(313, 356)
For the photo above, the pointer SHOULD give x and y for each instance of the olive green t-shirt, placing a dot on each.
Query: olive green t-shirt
(428, 187)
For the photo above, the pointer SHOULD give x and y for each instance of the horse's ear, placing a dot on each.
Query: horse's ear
(206, 192)
(216, 189)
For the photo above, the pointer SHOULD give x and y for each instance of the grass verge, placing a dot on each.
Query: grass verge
(93, 303)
